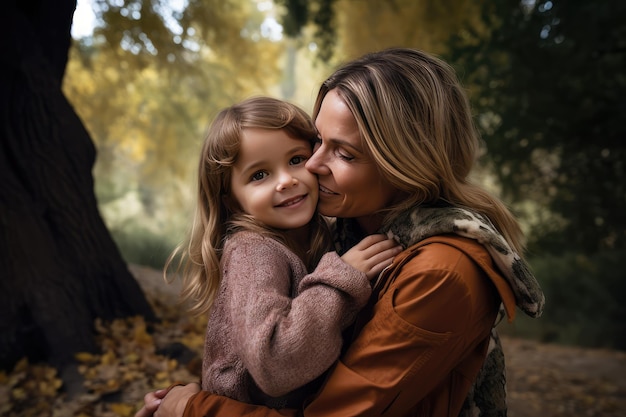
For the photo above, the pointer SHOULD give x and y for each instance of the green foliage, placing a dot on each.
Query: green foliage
(584, 300)
(325, 32)
(369, 25)
(146, 85)
(318, 14)
(152, 31)
(549, 83)
(296, 16)
(142, 246)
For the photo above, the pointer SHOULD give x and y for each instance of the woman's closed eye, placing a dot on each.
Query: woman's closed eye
(340, 152)
(344, 155)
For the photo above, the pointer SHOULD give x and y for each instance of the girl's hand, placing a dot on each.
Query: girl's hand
(372, 254)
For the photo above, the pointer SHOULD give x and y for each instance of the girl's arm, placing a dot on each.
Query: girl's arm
(287, 324)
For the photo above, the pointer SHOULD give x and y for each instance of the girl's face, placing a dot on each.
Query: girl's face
(349, 180)
(269, 179)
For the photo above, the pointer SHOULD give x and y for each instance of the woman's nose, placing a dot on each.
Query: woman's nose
(316, 163)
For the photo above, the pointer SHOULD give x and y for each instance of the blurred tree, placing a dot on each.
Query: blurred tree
(318, 15)
(549, 85)
(60, 268)
(147, 113)
(370, 25)
(347, 29)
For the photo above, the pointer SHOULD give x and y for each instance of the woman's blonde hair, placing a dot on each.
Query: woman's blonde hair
(415, 120)
(216, 216)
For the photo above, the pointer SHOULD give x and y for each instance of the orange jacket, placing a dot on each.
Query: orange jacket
(417, 347)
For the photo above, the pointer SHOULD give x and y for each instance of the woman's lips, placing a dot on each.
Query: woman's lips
(326, 190)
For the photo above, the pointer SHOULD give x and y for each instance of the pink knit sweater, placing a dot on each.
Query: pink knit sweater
(274, 328)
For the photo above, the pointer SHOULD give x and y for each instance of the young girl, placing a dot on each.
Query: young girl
(273, 327)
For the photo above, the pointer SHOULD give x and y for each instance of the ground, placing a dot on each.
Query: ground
(544, 380)
(550, 380)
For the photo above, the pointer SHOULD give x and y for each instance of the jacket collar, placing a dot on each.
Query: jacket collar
(419, 223)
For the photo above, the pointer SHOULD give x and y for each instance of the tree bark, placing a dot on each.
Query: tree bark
(59, 267)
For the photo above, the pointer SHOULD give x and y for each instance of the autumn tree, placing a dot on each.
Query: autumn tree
(370, 25)
(146, 88)
(61, 269)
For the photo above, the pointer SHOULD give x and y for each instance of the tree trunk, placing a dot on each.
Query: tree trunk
(59, 266)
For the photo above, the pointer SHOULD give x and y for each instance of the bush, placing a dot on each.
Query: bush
(584, 301)
(142, 246)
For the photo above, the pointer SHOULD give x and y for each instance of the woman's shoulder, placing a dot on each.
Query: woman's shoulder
(458, 261)
(440, 279)
(445, 250)
(462, 263)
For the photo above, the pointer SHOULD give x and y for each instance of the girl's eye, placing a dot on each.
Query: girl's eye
(258, 176)
(297, 160)
(317, 142)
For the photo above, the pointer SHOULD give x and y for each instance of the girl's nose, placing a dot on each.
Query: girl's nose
(286, 181)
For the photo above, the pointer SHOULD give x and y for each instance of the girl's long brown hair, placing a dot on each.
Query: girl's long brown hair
(199, 255)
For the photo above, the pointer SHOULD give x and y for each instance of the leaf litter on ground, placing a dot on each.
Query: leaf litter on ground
(136, 357)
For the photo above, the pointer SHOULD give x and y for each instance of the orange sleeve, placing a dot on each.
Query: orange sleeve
(206, 404)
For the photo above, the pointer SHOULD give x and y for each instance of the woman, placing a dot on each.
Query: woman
(396, 145)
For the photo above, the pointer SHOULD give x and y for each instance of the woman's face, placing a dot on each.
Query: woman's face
(350, 182)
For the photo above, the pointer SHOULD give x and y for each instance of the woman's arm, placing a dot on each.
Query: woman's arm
(437, 311)
(176, 401)
(204, 404)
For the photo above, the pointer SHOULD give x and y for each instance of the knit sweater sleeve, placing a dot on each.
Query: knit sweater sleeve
(284, 340)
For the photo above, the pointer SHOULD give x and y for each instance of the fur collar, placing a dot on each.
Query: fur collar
(419, 223)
